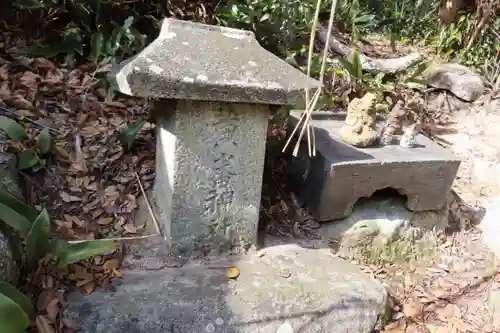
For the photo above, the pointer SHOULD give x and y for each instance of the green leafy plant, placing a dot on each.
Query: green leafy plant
(128, 135)
(34, 229)
(124, 40)
(36, 151)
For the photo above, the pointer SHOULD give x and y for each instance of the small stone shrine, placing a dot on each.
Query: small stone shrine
(213, 87)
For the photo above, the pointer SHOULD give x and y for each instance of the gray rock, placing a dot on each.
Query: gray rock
(321, 294)
(457, 79)
(203, 62)
(9, 261)
(383, 229)
(440, 101)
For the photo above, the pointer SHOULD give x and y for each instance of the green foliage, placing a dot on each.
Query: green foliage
(128, 135)
(33, 157)
(279, 25)
(93, 29)
(18, 297)
(45, 142)
(13, 129)
(68, 253)
(38, 239)
(37, 236)
(12, 317)
(15, 307)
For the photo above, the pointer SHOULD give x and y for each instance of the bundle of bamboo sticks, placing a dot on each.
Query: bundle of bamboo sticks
(305, 119)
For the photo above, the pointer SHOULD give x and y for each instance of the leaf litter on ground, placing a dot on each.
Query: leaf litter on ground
(88, 184)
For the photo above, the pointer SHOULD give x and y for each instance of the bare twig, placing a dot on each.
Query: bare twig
(34, 122)
(150, 209)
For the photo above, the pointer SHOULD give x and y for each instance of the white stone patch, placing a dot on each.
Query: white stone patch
(185, 43)
(137, 68)
(210, 328)
(202, 77)
(233, 35)
(236, 48)
(149, 60)
(285, 328)
(169, 35)
(156, 69)
(252, 63)
(219, 321)
(188, 79)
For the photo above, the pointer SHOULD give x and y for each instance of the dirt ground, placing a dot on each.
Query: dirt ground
(451, 294)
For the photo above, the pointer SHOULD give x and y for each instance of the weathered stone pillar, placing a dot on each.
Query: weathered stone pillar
(213, 87)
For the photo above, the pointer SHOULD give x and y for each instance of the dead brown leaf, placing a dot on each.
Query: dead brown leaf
(30, 81)
(436, 329)
(43, 325)
(233, 272)
(412, 308)
(53, 309)
(118, 274)
(69, 198)
(84, 281)
(111, 264)
(130, 228)
(448, 312)
(89, 287)
(4, 72)
(19, 102)
(44, 299)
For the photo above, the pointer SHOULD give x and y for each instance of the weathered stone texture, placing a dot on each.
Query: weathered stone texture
(457, 79)
(202, 62)
(209, 164)
(309, 291)
(214, 88)
(340, 174)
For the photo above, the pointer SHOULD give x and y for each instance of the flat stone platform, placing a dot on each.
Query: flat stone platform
(340, 174)
(284, 289)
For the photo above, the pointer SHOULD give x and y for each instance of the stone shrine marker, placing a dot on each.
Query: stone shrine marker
(213, 87)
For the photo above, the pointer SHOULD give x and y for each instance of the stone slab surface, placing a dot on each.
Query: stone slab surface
(196, 61)
(209, 165)
(340, 174)
(302, 290)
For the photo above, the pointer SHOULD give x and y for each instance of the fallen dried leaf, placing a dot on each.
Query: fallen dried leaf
(130, 228)
(84, 282)
(89, 287)
(436, 329)
(412, 308)
(69, 198)
(233, 272)
(19, 102)
(118, 274)
(43, 325)
(111, 264)
(53, 309)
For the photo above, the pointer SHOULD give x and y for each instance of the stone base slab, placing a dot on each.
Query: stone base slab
(340, 174)
(289, 288)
